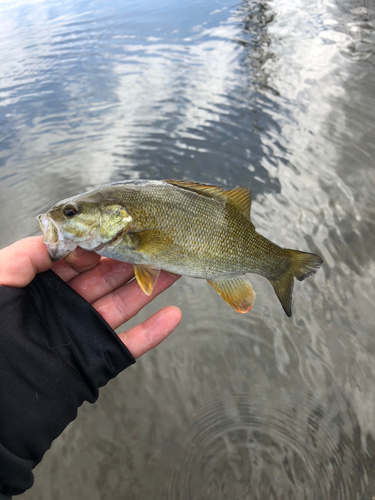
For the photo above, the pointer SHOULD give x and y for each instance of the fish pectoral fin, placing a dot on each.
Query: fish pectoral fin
(151, 241)
(237, 292)
(146, 277)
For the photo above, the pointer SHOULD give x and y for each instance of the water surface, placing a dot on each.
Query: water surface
(275, 96)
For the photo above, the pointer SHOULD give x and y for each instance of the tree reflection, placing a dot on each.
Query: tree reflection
(254, 19)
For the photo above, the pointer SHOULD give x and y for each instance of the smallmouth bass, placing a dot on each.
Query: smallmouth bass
(186, 228)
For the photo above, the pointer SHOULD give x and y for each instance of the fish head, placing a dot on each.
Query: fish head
(80, 222)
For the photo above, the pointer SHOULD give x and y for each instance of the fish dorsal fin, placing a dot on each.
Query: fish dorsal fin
(208, 190)
(239, 197)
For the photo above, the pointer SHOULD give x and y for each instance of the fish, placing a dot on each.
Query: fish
(182, 227)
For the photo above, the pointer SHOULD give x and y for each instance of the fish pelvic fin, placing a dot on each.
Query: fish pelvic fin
(236, 291)
(302, 266)
(146, 277)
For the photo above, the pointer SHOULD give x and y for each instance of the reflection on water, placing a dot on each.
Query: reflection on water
(257, 450)
(254, 18)
(276, 96)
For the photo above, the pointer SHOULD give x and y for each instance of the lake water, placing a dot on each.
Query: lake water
(277, 96)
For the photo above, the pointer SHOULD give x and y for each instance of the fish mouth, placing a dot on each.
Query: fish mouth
(58, 247)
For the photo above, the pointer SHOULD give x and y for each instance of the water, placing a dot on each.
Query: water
(276, 96)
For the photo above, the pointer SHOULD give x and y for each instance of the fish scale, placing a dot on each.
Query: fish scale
(196, 230)
(230, 233)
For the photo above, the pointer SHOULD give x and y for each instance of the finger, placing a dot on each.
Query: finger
(64, 270)
(82, 260)
(102, 279)
(124, 303)
(75, 263)
(20, 262)
(152, 332)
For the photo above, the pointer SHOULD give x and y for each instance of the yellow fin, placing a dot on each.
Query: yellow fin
(146, 277)
(237, 292)
(239, 197)
(151, 241)
(208, 190)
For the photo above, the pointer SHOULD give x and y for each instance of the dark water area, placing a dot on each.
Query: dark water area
(275, 96)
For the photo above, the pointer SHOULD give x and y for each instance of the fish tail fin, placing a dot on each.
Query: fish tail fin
(302, 265)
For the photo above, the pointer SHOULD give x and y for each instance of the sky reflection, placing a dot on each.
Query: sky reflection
(274, 95)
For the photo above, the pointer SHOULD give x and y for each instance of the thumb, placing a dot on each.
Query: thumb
(20, 262)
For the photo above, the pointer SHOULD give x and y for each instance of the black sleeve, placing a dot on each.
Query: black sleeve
(55, 353)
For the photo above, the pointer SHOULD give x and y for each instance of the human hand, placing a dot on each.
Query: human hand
(103, 282)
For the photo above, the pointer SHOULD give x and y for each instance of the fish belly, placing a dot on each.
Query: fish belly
(185, 265)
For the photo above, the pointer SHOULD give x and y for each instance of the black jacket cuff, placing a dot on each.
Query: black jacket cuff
(55, 352)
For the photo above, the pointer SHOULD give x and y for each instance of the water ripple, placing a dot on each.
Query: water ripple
(235, 447)
(274, 95)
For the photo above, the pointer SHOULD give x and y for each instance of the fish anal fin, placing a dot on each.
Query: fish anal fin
(146, 277)
(239, 197)
(236, 291)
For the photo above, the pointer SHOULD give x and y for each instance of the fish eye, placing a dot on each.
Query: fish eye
(70, 211)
